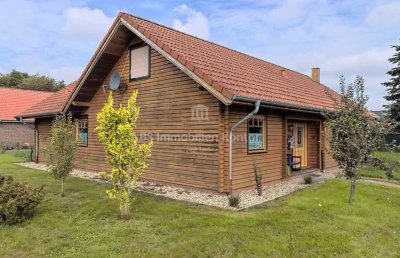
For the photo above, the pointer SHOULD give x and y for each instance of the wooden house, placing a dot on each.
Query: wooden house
(193, 94)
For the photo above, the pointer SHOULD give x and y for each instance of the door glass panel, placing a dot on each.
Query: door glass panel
(299, 137)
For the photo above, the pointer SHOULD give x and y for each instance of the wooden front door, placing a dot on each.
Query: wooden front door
(300, 142)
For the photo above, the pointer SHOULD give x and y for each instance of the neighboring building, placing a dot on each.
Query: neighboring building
(191, 93)
(12, 102)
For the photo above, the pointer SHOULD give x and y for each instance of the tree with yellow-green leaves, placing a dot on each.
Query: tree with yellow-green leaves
(125, 154)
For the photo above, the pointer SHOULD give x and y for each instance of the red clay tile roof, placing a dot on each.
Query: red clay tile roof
(234, 73)
(230, 72)
(14, 101)
(53, 104)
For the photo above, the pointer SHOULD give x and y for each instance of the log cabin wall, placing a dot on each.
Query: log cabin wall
(329, 162)
(313, 144)
(43, 125)
(269, 164)
(185, 150)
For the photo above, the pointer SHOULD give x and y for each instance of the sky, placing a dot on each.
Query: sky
(342, 37)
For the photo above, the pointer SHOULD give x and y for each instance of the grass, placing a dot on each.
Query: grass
(315, 222)
(391, 158)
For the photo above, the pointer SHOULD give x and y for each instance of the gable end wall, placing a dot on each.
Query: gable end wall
(185, 150)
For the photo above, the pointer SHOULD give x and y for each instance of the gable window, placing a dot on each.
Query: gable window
(139, 62)
(256, 134)
(82, 131)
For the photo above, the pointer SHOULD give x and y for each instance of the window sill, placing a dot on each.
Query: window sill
(139, 78)
(256, 151)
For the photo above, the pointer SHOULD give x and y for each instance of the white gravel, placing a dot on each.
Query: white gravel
(248, 198)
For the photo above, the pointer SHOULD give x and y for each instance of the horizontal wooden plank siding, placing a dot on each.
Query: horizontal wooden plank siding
(329, 162)
(43, 126)
(269, 164)
(313, 148)
(186, 149)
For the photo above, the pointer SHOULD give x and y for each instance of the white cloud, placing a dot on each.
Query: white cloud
(85, 23)
(66, 73)
(385, 15)
(289, 12)
(196, 23)
(49, 37)
(372, 62)
(153, 5)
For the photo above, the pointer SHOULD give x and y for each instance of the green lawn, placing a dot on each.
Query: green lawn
(392, 158)
(316, 222)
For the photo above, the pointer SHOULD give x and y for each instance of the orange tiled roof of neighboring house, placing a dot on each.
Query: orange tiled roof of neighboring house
(53, 104)
(14, 101)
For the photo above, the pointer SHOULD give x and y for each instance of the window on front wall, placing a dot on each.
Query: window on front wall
(139, 62)
(82, 131)
(256, 135)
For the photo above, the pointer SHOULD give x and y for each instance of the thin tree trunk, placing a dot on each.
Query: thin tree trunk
(62, 187)
(352, 188)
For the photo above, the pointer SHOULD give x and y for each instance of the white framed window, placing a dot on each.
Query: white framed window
(139, 62)
(257, 134)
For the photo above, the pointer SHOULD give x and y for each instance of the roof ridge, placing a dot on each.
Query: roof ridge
(219, 45)
(12, 88)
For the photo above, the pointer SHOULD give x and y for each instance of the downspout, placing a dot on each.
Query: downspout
(36, 138)
(257, 107)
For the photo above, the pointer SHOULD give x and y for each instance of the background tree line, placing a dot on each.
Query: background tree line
(22, 80)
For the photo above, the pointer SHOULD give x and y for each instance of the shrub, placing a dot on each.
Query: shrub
(389, 173)
(26, 146)
(308, 180)
(234, 200)
(17, 201)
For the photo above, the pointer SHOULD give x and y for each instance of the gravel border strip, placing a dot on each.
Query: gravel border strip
(248, 198)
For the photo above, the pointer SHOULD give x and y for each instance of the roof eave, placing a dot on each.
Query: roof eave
(10, 121)
(280, 105)
(38, 115)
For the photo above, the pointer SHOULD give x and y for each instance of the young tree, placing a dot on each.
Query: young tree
(393, 87)
(355, 133)
(126, 156)
(61, 148)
